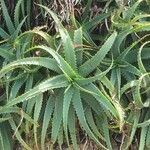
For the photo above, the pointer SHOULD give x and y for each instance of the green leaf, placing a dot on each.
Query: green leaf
(139, 59)
(36, 114)
(57, 116)
(47, 116)
(39, 61)
(66, 104)
(95, 92)
(86, 10)
(94, 62)
(143, 138)
(91, 122)
(148, 138)
(131, 69)
(134, 127)
(60, 137)
(78, 42)
(5, 137)
(7, 18)
(81, 116)
(67, 42)
(106, 82)
(109, 104)
(52, 83)
(16, 87)
(17, 13)
(130, 12)
(6, 54)
(137, 94)
(18, 29)
(28, 86)
(3, 34)
(72, 127)
(64, 66)
(37, 31)
(105, 128)
(144, 131)
(84, 81)
(95, 21)
(90, 101)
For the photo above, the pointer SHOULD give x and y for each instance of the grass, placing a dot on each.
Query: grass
(74, 74)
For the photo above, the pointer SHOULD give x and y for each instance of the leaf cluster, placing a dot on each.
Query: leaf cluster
(57, 88)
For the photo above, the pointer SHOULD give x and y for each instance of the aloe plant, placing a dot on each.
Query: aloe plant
(58, 85)
(68, 87)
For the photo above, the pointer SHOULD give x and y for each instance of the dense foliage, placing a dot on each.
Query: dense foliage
(74, 74)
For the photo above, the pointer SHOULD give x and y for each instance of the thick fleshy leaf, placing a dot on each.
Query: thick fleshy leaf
(78, 43)
(94, 62)
(47, 116)
(37, 110)
(57, 116)
(38, 61)
(67, 42)
(109, 104)
(81, 116)
(7, 18)
(52, 83)
(64, 66)
(66, 104)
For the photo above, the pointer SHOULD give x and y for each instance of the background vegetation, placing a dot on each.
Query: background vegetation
(74, 74)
